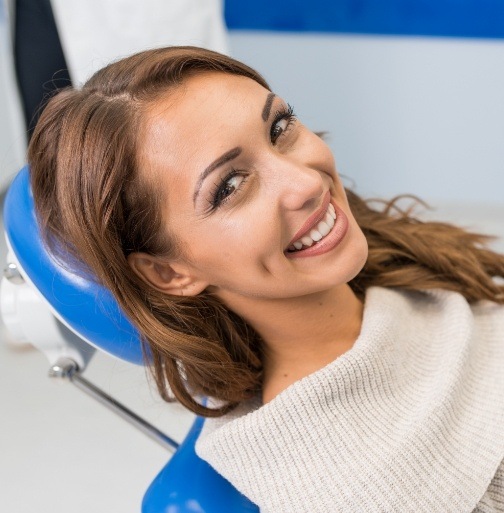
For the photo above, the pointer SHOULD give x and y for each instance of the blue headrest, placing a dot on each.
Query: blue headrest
(84, 306)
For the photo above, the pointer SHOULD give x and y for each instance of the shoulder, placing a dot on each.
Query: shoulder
(431, 301)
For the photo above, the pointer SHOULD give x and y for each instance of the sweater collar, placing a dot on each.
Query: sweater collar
(410, 419)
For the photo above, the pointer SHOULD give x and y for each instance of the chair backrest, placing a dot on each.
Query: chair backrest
(186, 484)
(81, 304)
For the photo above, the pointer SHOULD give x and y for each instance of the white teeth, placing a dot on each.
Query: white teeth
(323, 228)
(318, 233)
(315, 235)
(329, 220)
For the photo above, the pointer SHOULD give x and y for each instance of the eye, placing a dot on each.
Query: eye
(226, 188)
(281, 124)
(278, 129)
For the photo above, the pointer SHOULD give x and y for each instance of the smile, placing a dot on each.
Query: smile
(317, 233)
(327, 230)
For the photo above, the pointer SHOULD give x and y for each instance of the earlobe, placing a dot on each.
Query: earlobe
(171, 278)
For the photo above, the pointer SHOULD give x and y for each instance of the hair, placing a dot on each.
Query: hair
(95, 209)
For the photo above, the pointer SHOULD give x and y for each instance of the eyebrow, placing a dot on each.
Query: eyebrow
(231, 154)
(267, 106)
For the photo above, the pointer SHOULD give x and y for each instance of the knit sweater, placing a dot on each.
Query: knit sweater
(411, 419)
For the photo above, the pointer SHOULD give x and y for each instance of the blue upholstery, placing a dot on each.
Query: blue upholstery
(173, 490)
(85, 306)
(187, 484)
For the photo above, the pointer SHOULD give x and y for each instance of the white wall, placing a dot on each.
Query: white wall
(417, 115)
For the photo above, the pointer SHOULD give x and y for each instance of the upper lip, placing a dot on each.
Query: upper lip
(313, 220)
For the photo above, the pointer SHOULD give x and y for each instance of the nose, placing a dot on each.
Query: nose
(299, 186)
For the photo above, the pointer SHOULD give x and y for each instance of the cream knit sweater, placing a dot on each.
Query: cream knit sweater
(411, 419)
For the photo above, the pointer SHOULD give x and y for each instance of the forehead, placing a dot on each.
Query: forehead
(194, 122)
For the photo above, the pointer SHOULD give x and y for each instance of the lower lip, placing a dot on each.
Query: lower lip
(330, 241)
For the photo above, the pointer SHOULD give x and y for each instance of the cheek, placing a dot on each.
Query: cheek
(245, 239)
(317, 155)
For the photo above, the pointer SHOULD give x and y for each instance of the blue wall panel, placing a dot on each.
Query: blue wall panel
(454, 18)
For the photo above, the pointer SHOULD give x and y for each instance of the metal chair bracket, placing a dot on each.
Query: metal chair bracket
(67, 369)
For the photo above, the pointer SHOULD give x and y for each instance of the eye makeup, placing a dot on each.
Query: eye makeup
(233, 181)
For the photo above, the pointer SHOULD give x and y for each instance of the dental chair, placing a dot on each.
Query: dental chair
(69, 316)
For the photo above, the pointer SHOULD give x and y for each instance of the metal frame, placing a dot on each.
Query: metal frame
(67, 369)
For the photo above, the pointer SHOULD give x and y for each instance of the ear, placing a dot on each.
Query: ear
(172, 278)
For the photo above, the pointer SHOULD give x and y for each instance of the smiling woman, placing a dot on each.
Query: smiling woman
(314, 322)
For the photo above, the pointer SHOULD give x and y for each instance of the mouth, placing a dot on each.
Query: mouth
(323, 231)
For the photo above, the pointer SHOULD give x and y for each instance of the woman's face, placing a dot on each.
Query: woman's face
(244, 186)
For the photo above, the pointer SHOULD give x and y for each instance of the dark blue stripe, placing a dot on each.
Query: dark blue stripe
(454, 18)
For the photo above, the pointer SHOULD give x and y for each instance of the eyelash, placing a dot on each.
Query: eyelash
(284, 113)
(220, 186)
(218, 189)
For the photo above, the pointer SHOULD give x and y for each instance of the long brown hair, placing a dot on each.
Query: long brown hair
(95, 210)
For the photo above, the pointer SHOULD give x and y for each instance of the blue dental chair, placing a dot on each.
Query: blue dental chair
(79, 317)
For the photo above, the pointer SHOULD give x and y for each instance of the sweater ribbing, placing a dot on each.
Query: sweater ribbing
(411, 419)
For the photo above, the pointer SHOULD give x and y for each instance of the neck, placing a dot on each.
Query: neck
(301, 335)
